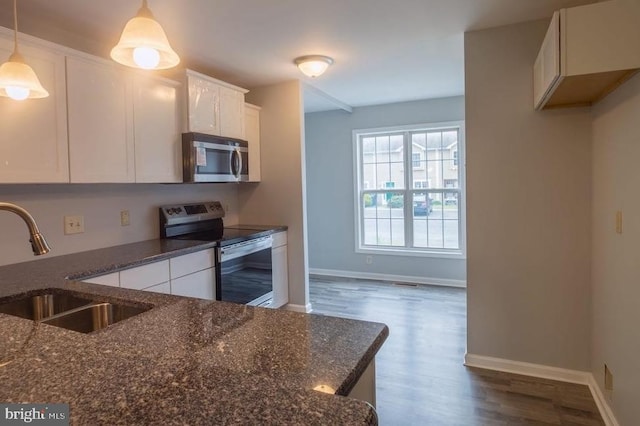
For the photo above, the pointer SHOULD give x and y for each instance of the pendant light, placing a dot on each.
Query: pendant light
(17, 79)
(143, 43)
(313, 65)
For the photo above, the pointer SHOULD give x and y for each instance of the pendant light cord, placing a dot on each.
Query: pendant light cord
(15, 26)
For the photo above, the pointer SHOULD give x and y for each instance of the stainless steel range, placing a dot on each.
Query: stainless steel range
(243, 256)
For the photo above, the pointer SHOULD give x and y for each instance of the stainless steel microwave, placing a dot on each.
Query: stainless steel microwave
(207, 158)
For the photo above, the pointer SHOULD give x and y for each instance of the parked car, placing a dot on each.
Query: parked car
(422, 207)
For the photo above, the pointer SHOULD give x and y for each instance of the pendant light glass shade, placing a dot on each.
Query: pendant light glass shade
(313, 65)
(17, 79)
(143, 44)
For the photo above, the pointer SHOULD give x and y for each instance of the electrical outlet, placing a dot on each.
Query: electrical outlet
(124, 218)
(73, 225)
(369, 260)
(608, 379)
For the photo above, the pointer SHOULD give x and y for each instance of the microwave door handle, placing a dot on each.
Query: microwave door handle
(232, 162)
(239, 157)
(236, 163)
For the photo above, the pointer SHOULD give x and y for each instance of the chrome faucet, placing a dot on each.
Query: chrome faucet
(38, 243)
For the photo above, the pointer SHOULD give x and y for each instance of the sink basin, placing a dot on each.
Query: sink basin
(67, 309)
(87, 319)
(42, 306)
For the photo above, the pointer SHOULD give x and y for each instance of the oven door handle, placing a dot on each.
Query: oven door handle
(243, 249)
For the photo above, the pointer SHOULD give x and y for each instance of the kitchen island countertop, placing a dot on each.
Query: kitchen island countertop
(186, 361)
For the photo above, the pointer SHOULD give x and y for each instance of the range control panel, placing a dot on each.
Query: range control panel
(187, 213)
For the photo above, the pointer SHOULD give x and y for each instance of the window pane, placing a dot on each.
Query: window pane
(384, 219)
(397, 232)
(383, 176)
(434, 141)
(397, 175)
(451, 234)
(450, 204)
(382, 149)
(368, 150)
(433, 173)
(368, 177)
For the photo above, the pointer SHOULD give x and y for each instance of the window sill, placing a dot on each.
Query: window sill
(452, 254)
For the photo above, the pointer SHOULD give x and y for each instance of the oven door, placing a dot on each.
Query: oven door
(224, 161)
(244, 273)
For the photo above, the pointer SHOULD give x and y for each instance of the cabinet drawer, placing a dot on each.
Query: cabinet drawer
(145, 276)
(192, 262)
(279, 239)
(160, 288)
(109, 279)
(201, 284)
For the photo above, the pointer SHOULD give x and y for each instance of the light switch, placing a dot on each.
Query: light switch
(619, 222)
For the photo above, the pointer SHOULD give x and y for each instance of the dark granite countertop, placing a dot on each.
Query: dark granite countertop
(187, 361)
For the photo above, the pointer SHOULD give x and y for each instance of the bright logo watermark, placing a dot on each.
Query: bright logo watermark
(34, 414)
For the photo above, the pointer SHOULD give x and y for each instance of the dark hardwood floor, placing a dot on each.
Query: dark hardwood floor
(420, 376)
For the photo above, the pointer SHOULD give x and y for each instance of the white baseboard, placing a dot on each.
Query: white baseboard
(305, 309)
(387, 277)
(546, 372)
(603, 405)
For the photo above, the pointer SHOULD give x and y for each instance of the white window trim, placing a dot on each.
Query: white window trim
(460, 253)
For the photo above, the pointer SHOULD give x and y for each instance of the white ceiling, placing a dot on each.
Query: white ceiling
(384, 50)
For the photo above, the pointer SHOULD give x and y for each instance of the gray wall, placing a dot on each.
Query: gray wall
(330, 188)
(100, 204)
(528, 208)
(616, 293)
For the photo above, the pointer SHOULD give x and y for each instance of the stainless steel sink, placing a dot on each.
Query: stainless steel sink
(66, 309)
(42, 306)
(95, 317)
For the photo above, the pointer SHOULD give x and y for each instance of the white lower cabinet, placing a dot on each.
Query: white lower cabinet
(112, 280)
(365, 388)
(280, 270)
(145, 276)
(160, 288)
(201, 284)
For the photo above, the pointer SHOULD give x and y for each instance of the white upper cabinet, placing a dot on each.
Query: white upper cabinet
(158, 154)
(214, 107)
(252, 135)
(587, 52)
(231, 113)
(33, 136)
(100, 108)
(203, 104)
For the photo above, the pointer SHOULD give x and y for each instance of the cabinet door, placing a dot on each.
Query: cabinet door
(157, 130)
(280, 277)
(546, 69)
(100, 122)
(200, 284)
(33, 136)
(252, 134)
(164, 288)
(203, 106)
(112, 279)
(231, 113)
(145, 276)
(192, 262)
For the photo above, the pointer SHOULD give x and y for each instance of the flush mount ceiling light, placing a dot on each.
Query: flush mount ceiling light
(313, 65)
(17, 79)
(143, 43)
